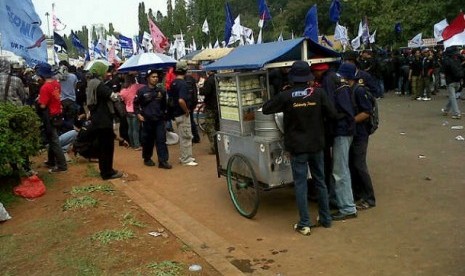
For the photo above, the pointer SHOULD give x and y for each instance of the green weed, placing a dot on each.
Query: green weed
(92, 188)
(129, 219)
(92, 171)
(166, 268)
(107, 236)
(80, 202)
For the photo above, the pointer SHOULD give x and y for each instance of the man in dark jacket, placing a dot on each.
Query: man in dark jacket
(304, 111)
(102, 113)
(212, 120)
(150, 108)
(453, 72)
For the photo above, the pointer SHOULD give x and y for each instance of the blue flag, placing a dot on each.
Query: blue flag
(398, 28)
(335, 11)
(263, 11)
(229, 24)
(21, 33)
(125, 42)
(58, 40)
(77, 43)
(311, 24)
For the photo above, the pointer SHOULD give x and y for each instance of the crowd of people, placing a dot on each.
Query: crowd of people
(326, 115)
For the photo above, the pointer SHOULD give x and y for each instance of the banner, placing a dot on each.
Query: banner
(21, 33)
(159, 40)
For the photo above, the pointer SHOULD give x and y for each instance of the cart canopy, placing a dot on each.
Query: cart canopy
(257, 55)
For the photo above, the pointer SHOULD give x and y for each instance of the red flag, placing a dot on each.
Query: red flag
(159, 40)
(455, 27)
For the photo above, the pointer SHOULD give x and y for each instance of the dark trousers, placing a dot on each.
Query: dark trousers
(55, 153)
(106, 148)
(154, 134)
(362, 186)
(194, 129)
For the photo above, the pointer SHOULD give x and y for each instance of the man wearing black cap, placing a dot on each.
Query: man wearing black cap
(150, 108)
(304, 111)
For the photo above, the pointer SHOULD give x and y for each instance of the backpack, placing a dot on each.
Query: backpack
(373, 120)
(192, 91)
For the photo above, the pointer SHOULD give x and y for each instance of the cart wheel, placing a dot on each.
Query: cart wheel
(199, 117)
(242, 185)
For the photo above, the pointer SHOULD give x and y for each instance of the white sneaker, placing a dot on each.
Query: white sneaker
(426, 99)
(419, 99)
(444, 112)
(191, 163)
(305, 230)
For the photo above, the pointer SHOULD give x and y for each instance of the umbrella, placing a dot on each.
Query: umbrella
(90, 63)
(146, 61)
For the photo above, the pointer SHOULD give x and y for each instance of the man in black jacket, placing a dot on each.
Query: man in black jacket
(101, 117)
(453, 72)
(150, 108)
(304, 111)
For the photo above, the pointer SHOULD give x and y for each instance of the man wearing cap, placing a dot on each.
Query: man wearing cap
(343, 131)
(363, 77)
(305, 109)
(50, 104)
(181, 113)
(99, 102)
(150, 109)
(11, 87)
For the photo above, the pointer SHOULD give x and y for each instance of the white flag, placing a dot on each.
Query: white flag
(372, 37)
(259, 39)
(416, 41)
(217, 44)
(210, 45)
(194, 46)
(439, 28)
(360, 29)
(340, 34)
(280, 38)
(205, 28)
(236, 32)
(355, 43)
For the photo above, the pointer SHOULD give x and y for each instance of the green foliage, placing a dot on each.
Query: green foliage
(129, 219)
(108, 236)
(80, 202)
(93, 188)
(166, 268)
(19, 135)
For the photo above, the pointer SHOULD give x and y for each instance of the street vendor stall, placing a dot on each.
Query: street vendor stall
(251, 151)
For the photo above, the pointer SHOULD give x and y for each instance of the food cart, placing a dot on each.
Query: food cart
(250, 145)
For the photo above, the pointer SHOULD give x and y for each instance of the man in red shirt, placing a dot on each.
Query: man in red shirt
(49, 102)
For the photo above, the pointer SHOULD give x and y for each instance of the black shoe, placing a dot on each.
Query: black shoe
(149, 163)
(340, 216)
(115, 175)
(49, 165)
(164, 165)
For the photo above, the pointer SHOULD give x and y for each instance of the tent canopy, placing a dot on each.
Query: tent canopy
(257, 55)
(212, 54)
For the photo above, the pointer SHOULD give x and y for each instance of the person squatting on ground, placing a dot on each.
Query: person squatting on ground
(51, 113)
(212, 120)
(128, 93)
(180, 95)
(453, 73)
(150, 109)
(100, 105)
(304, 111)
(343, 131)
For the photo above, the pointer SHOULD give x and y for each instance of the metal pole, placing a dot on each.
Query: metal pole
(48, 25)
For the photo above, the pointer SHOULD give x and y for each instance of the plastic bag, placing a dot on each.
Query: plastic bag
(30, 187)
(3, 213)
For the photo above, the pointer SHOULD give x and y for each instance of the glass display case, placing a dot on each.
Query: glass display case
(239, 96)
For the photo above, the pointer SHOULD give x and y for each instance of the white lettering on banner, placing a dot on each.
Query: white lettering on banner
(427, 42)
(302, 93)
(26, 29)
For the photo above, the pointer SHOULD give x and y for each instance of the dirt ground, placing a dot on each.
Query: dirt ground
(416, 164)
(44, 237)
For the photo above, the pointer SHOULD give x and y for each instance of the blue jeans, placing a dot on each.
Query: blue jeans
(67, 139)
(133, 130)
(300, 165)
(452, 105)
(341, 175)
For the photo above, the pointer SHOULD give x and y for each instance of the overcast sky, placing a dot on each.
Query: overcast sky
(123, 13)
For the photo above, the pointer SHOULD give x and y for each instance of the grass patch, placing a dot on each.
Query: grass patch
(107, 236)
(166, 268)
(106, 187)
(48, 179)
(91, 171)
(185, 248)
(7, 183)
(80, 202)
(129, 219)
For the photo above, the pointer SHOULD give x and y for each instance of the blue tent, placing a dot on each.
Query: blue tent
(258, 55)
